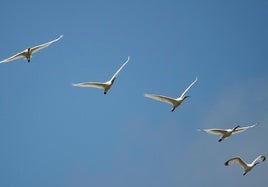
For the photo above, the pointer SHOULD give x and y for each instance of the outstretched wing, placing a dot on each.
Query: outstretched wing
(90, 84)
(118, 71)
(214, 131)
(15, 57)
(189, 87)
(241, 129)
(42, 46)
(161, 98)
(259, 159)
(237, 160)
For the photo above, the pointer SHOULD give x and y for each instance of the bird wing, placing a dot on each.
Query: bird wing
(161, 98)
(238, 160)
(214, 131)
(189, 87)
(117, 72)
(15, 57)
(90, 84)
(42, 46)
(241, 129)
(259, 159)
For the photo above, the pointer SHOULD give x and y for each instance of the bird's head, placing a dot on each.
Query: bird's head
(236, 127)
(256, 163)
(184, 97)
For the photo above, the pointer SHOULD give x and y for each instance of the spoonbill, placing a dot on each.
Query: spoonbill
(175, 102)
(227, 132)
(27, 53)
(103, 85)
(247, 167)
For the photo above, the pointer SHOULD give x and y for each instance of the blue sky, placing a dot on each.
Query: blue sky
(54, 134)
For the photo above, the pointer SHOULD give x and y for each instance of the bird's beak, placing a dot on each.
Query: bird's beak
(237, 126)
(185, 97)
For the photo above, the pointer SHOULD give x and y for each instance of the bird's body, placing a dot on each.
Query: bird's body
(27, 53)
(175, 102)
(247, 167)
(102, 85)
(225, 133)
(105, 85)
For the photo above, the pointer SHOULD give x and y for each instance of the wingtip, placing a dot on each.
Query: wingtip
(146, 95)
(128, 58)
(59, 37)
(254, 124)
(5, 61)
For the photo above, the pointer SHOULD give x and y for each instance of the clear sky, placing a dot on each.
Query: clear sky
(53, 134)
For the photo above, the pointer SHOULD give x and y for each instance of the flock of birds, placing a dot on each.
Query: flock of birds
(174, 102)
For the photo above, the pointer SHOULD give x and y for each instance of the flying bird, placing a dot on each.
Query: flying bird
(227, 132)
(103, 85)
(27, 53)
(175, 102)
(247, 167)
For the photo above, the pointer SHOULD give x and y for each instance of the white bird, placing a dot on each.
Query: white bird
(227, 132)
(103, 85)
(175, 102)
(247, 167)
(27, 53)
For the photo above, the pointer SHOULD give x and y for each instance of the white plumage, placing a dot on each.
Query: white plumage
(247, 167)
(175, 102)
(27, 53)
(103, 85)
(227, 132)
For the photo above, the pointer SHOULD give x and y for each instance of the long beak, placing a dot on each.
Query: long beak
(237, 126)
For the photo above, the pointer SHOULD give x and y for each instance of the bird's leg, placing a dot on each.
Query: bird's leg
(173, 109)
(105, 92)
(220, 140)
